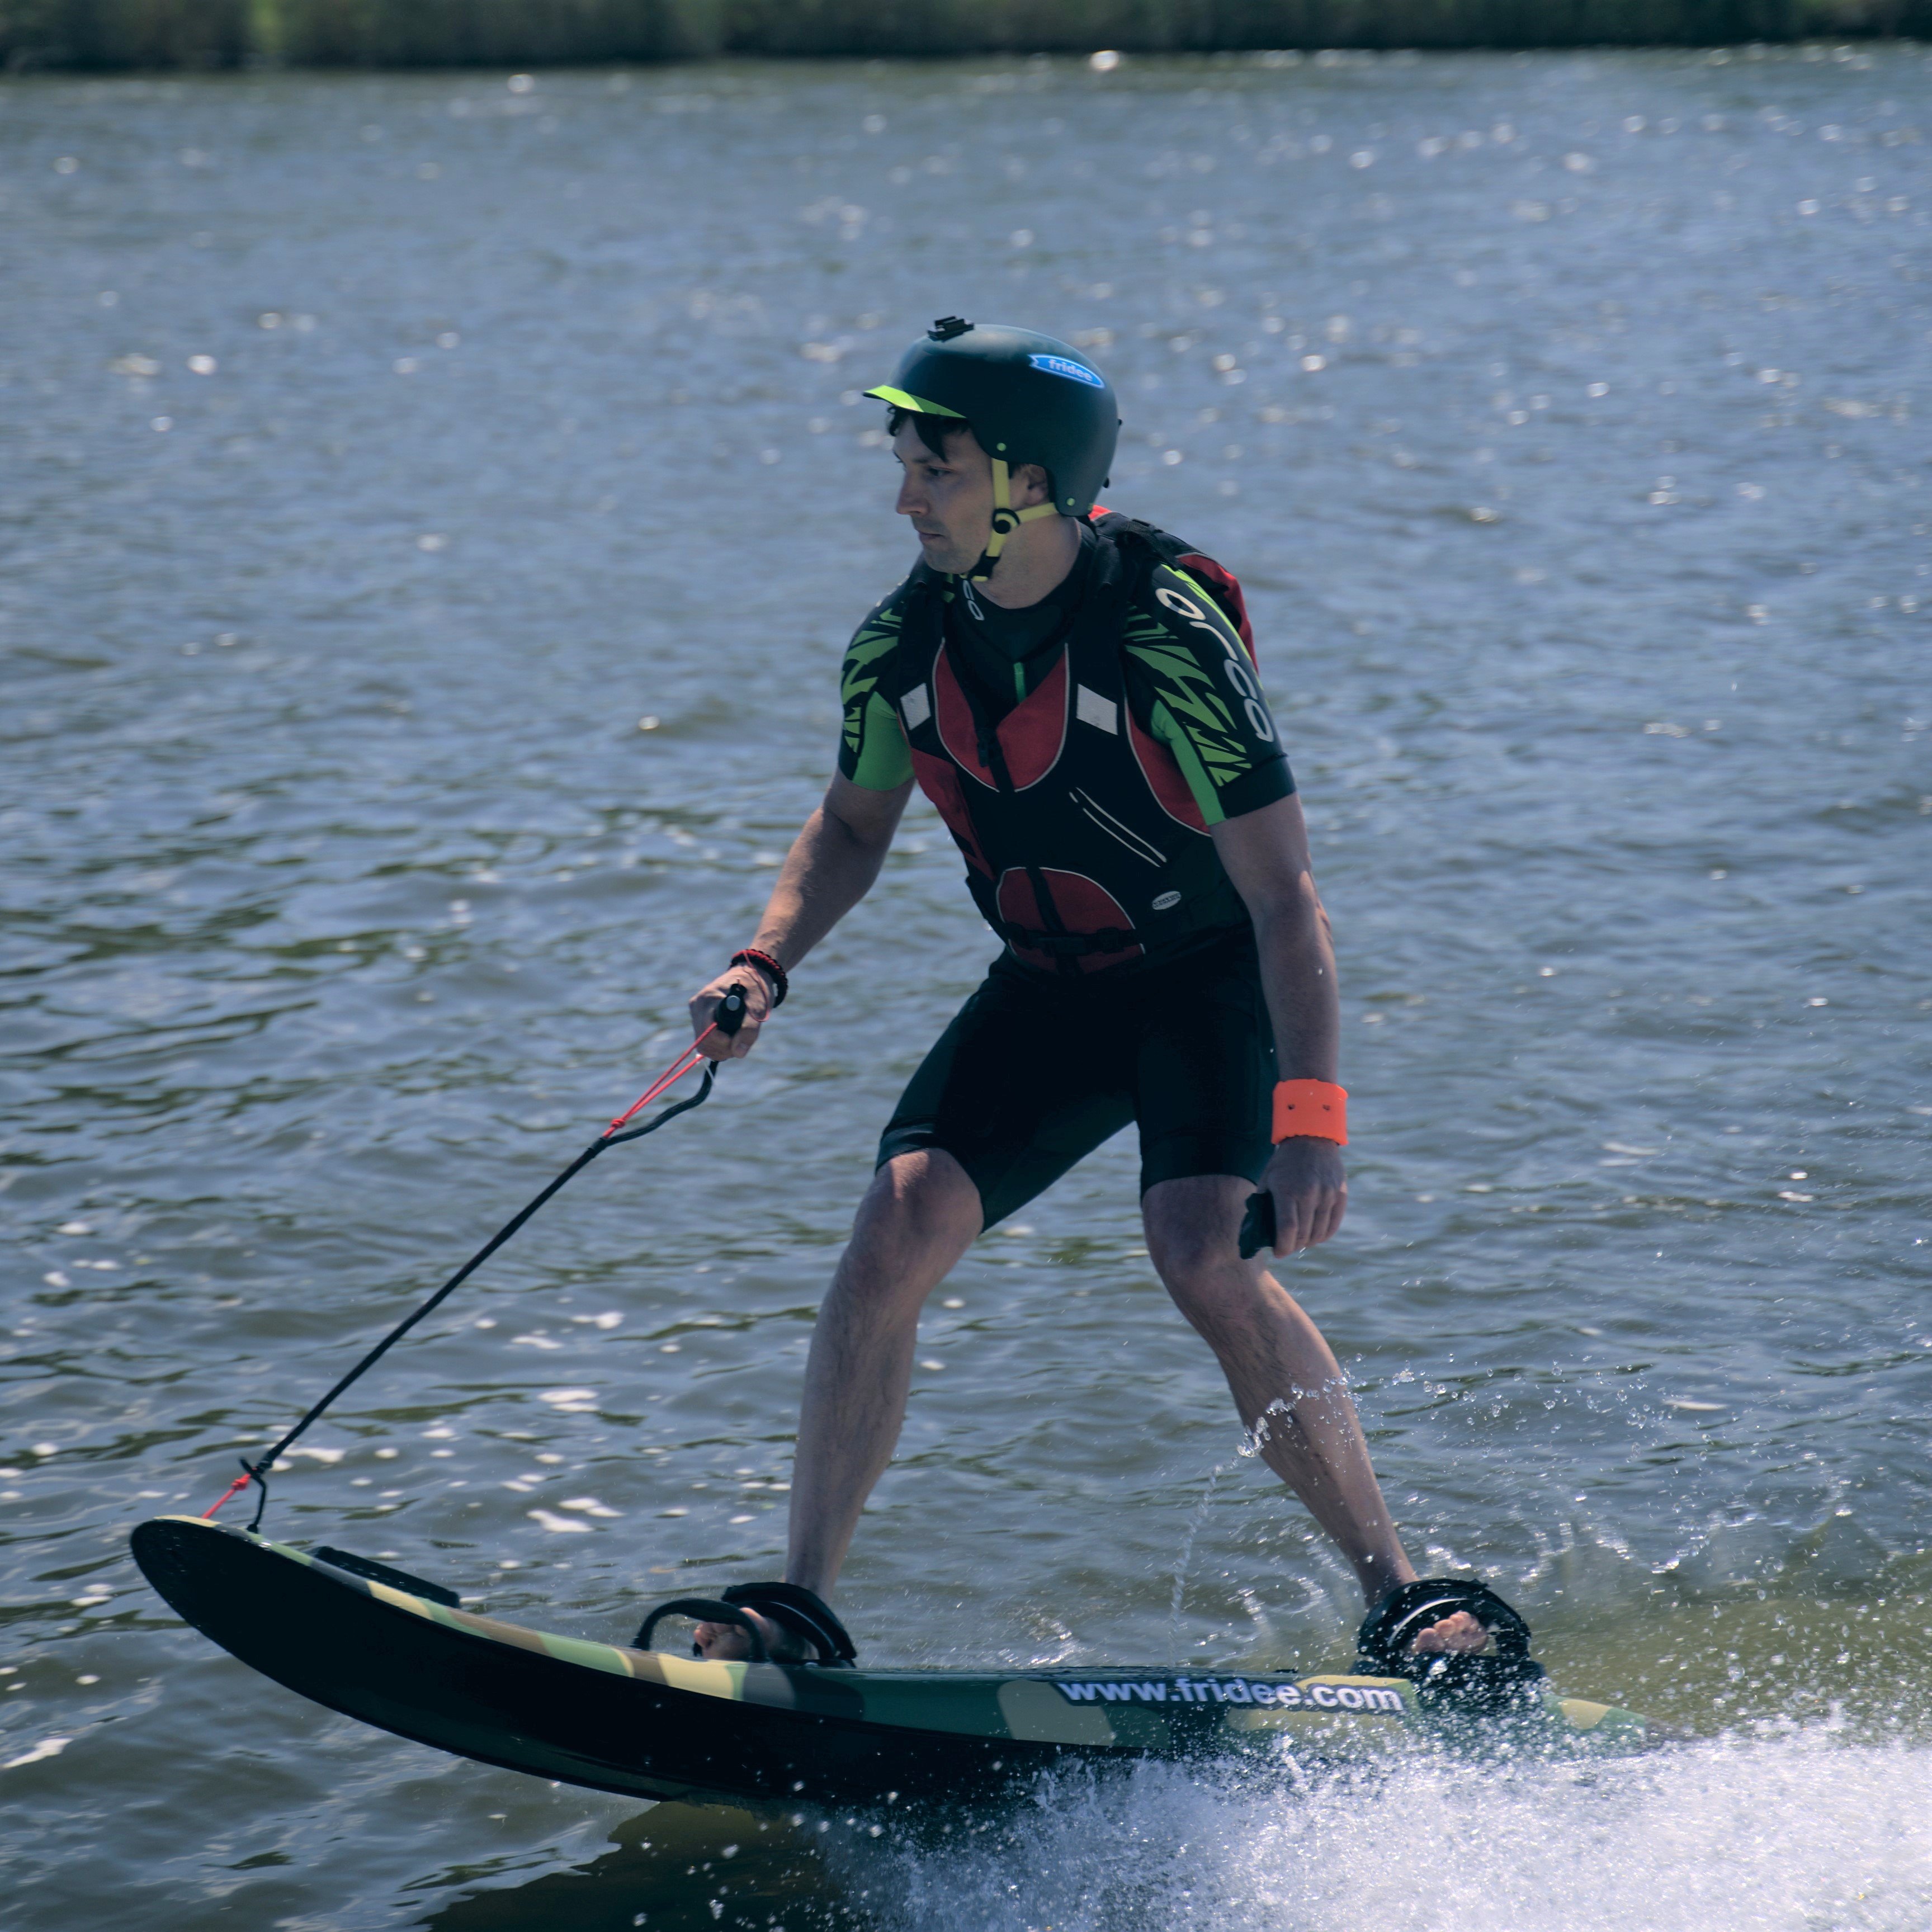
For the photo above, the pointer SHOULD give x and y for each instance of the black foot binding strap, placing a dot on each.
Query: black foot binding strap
(1502, 1678)
(804, 1613)
(801, 1612)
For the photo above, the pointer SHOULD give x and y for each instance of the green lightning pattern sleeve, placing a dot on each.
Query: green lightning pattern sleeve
(1194, 686)
(872, 748)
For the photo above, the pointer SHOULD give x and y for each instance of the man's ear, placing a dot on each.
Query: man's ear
(1030, 484)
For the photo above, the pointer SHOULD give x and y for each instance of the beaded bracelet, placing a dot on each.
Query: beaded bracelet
(753, 955)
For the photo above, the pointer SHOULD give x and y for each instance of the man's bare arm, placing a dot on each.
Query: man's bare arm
(1265, 852)
(830, 867)
(1266, 855)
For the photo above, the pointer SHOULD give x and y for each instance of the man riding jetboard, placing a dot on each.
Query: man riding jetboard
(1076, 693)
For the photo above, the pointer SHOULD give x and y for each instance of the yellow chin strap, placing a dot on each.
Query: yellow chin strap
(1006, 520)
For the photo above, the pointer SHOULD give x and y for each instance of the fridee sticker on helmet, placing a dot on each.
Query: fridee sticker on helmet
(1078, 372)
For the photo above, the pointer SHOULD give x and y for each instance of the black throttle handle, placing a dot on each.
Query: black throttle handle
(1258, 1230)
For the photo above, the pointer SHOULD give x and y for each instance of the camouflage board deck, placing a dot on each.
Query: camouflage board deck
(647, 1724)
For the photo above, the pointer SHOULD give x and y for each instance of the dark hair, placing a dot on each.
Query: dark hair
(934, 431)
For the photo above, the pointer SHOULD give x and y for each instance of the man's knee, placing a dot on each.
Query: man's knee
(1193, 1227)
(920, 1213)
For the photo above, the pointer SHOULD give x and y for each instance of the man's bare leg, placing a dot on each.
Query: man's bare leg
(1287, 1385)
(920, 1214)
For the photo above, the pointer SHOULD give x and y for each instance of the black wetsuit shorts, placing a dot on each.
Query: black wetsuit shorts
(1035, 1072)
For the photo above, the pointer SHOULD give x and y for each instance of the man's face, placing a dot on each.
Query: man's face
(948, 498)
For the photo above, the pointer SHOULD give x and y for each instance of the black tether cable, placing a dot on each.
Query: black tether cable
(729, 1017)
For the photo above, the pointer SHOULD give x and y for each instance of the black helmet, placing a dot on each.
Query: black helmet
(1029, 397)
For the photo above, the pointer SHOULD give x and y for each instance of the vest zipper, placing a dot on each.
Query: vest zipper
(1108, 823)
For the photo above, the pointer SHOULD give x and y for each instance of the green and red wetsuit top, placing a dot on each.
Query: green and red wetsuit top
(1080, 751)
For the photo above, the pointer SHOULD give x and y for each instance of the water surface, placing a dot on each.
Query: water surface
(435, 509)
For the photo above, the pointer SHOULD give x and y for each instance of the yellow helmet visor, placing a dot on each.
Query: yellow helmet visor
(918, 406)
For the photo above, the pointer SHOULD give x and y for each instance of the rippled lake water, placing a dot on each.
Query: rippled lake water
(434, 509)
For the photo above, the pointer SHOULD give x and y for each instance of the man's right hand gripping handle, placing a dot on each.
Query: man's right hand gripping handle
(757, 995)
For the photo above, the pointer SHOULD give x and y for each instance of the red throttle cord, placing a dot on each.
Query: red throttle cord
(239, 1482)
(729, 1018)
(671, 1075)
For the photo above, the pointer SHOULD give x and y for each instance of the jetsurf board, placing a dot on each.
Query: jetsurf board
(648, 1724)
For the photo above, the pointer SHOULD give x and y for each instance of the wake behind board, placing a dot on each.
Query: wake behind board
(646, 1724)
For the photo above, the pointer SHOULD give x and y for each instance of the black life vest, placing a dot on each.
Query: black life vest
(1084, 846)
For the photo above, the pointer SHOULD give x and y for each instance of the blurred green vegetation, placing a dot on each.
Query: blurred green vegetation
(124, 33)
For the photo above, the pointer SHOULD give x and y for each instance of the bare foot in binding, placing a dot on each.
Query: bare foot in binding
(1439, 1616)
(1457, 1641)
(1460, 1635)
(760, 1623)
(731, 1643)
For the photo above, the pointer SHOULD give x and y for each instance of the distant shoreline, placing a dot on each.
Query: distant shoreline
(110, 35)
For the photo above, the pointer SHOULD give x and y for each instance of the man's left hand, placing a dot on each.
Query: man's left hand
(1310, 1187)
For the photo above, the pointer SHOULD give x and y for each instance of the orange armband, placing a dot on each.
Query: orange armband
(1316, 1107)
